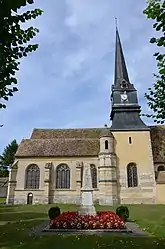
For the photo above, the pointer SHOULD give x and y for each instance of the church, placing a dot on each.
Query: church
(127, 160)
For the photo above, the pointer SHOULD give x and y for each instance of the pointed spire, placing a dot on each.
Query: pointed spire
(120, 65)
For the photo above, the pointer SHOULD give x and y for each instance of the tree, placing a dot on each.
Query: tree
(156, 96)
(14, 43)
(8, 156)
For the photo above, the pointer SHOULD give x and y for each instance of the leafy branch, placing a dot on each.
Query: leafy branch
(14, 43)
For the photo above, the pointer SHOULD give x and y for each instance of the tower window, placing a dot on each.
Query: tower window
(106, 144)
(130, 140)
(124, 84)
(132, 175)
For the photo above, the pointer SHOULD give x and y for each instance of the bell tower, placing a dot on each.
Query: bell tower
(125, 108)
(132, 143)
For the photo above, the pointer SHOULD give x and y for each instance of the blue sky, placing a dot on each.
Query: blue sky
(66, 83)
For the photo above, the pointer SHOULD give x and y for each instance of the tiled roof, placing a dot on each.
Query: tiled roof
(67, 133)
(79, 142)
(58, 147)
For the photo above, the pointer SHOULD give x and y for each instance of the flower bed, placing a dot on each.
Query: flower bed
(102, 220)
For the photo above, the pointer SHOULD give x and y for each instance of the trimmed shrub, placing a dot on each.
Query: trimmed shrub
(54, 212)
(123, 212)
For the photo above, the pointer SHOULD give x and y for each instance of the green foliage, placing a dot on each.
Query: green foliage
(156, 96)
(4, 173)
(8, 156)
(54, 212)
(14, 43)
(123, 212)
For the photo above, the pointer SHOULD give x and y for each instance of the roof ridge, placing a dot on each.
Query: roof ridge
(86, 128)
(60, 138)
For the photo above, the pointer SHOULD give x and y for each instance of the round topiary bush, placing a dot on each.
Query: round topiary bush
(54, 212)
(123, 212)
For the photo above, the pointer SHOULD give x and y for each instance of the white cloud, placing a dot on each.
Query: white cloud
(73, 62)
(67, 82)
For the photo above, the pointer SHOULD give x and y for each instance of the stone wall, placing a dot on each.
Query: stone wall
(140, 153)
(160, 196)
(47, 192)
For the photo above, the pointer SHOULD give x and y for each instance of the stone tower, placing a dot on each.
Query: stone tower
(132, 138)
(107, 169)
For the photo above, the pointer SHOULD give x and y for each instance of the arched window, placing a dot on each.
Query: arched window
(106, 144)
(124, 84)
(62, 176)
(132, 176)
(93, 175)
(32, 177)
(161, 168)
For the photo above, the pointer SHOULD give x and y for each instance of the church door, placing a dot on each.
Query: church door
(30, 199)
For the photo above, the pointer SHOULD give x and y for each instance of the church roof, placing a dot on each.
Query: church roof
(61, 142)
(90, 133)
(60, 147)
(106, 133)
(78, 142)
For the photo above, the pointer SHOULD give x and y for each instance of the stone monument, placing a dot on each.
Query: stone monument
(87, 207)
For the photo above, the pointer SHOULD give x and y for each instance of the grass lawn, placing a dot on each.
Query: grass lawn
(2, 200)
(17, 221)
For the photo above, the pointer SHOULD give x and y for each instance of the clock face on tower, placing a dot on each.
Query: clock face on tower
(124, 96)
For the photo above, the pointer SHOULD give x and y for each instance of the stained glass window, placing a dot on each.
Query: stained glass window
(32, 178)
(62, 176)
(132, 175)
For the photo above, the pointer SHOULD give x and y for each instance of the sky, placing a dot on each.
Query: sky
(66, 83)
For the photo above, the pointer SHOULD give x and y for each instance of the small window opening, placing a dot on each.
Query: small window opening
(130, 140)
(161, 168)
(106, 144)
(124, 84)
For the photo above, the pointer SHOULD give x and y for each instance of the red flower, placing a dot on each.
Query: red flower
(102, 220)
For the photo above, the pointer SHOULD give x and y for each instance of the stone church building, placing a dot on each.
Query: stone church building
(127, 159)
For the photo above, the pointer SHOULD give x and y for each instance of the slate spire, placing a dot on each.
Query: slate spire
(125, 108)
(120, 65)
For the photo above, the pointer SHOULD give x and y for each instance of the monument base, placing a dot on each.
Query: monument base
(87, 210)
